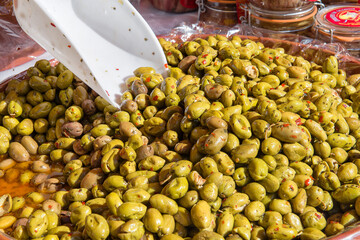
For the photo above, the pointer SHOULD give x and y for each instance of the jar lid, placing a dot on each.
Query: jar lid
(286, 5)
(221, 4)
(340, 21)
(283, 16)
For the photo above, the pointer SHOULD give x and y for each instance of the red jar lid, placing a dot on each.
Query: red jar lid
(340, 21)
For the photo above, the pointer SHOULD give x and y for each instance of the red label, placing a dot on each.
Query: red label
(188, 3)
(240, 11)
(347, 16)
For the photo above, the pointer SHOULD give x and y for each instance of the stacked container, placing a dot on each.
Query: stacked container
(218, 12)
(340, 23)
(282, 15)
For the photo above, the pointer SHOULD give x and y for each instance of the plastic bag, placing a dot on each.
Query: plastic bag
(16, 47)
(311, 49)
(162, 22)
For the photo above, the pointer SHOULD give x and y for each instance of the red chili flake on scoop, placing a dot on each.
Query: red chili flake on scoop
(151, 169)
(169, 54)
(69, 46)
(293, 136)
(276, 229)
(206, 145)
(283, 180)
(50, 206)
(270, 58)
(346, 214)
(291, 188)
(52, 24)
(155, 98)
(166, 65)
(286, 125)
(205, 55)
(213, 134)
(139, 114)
(83, 203)
(318, 215)
(277, 57)
(148, 79)
(223, 222)
(307, 182)
(312, 178)
(172, 86)
(321, 119)
(204, 62)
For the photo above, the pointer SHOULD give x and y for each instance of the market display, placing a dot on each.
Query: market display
(238, 142)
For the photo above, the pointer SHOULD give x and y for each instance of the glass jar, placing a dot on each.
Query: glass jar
(174, 6)
(340, 23)
(282, 21)
(282, 5)
(217, 12)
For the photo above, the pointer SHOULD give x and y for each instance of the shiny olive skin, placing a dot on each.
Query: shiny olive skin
(201, 214)
(96, 227)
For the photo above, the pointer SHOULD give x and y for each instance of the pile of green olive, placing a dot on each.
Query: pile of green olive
(239, 142)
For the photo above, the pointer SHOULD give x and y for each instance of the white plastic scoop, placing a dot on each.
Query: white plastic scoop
(100, 41)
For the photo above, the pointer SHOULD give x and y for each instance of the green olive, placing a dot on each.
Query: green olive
(281, 231)
(201, 214)
(37, 224)
(96, 227)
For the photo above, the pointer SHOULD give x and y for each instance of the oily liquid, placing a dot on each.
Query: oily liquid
(12, 185)
(15, 189)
